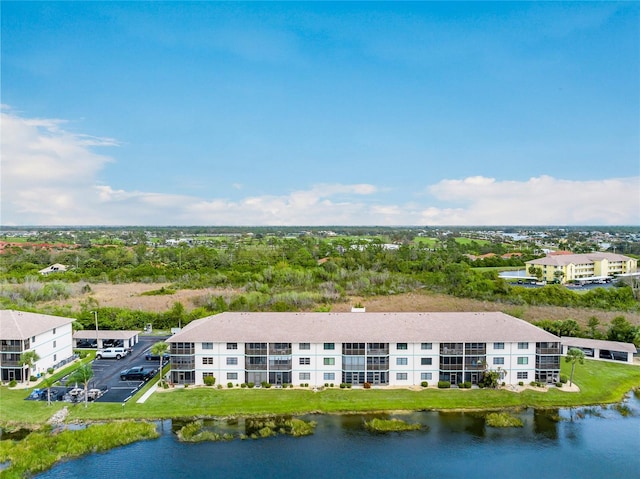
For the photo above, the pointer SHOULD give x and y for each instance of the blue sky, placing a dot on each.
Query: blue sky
(211, 113)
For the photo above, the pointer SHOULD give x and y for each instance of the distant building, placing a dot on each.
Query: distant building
(383, 349)
(583, 267)
(54, 268)
(49, 336)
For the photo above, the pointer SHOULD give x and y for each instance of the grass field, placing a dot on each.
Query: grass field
(600, 383)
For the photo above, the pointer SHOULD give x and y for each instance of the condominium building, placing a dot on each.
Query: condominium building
(385, 349)
(583, 267)
(49, 336)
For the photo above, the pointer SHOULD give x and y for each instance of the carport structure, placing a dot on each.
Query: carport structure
(126, 339)
(600, 349)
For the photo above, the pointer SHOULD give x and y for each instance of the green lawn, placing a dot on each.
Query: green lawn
(600, 383)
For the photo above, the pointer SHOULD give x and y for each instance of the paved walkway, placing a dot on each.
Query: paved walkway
(146, 395)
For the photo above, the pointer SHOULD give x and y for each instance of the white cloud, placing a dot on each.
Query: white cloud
(50, 176)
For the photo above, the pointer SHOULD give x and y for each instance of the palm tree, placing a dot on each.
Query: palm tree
(47, 383)
(29, 358)
(574, 355)
(160, 349)
(82, 375)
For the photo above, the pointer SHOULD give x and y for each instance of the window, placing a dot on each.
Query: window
(523, 345)
(523, 375)
(207, 360)
(54, 344)
(304, 376)
(426, 346)
(305, 360)
(232, 361)
(498, 345)
(329, 361)
(54, 330)
(401, 376)
(55, 357)
(232, 345)
(425, 361)
(401, 346)
(498, 360)
(425, 376)
(231, 376)
(33, 339)
(402, 361)
(207, 345)
(329, 346)
(523, 360)
(305, 345)
(329, 376)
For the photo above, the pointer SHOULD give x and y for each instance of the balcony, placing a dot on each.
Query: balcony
(7, 348)
(182, 365)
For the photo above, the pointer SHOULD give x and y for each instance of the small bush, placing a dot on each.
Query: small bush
(243, 385)
(343, 385)
(219, 386)
(444, 384)
(250, 385)
(33, 378)
(348, 385)
(367, 385)
(331, 385)
(520, 383)
(229, 385)
(12, 383)
(558, 384)
(209, 380)
(563, 378)
(466, 385)
(424, 384)
(50, 371)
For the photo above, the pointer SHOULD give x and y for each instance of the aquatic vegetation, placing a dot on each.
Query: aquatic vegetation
(255, 428)
(503, 419)
(390, 425)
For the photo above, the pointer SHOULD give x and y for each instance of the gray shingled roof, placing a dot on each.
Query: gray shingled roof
(360, 327)
(104, 334)
(598, 344)
(23, 325)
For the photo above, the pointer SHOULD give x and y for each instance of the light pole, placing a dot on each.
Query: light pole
(95, 316)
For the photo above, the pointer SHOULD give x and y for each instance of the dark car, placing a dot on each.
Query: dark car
(87, 343)
(149, 356)
(137, 373)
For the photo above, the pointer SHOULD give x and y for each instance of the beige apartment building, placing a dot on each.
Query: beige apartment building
(565, 268)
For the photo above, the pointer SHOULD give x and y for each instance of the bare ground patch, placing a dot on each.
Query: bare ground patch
(129, 296)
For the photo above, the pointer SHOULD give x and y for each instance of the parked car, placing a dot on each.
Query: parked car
(140, 373)
(87, 343)
(149, 356)
(111, 353)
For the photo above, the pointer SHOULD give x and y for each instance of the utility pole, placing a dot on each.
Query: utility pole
(95, 316)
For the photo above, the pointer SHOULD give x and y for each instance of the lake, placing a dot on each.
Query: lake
(589, 442)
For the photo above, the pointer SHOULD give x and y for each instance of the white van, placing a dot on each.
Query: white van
(111, 353)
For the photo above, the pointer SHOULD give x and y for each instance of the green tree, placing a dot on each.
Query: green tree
(82, 375)
(535, 271)
(159, 349)
(592, 324)
(46, 384)
(574, 355)
(29, 359)
(621, 330)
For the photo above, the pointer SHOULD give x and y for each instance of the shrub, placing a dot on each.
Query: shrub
(209, 380)
(348, 385)
(520, 383)
(33, 378)
(229, 385)
(331, 385)
(250, 385)
(243, 385)
(466, 385)
(343, 385)
(50, 371)
(444, 384)
(559, 384)
(424, 384)
(563, 378)
(12, 383)
(326, 385)
(367, 385)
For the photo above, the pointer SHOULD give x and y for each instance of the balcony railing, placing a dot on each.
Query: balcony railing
(182, 365)
(6, 348)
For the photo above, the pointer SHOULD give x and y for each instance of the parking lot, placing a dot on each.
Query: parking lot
(106, 376)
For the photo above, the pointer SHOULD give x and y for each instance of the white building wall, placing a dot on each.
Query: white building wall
(52, 346)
